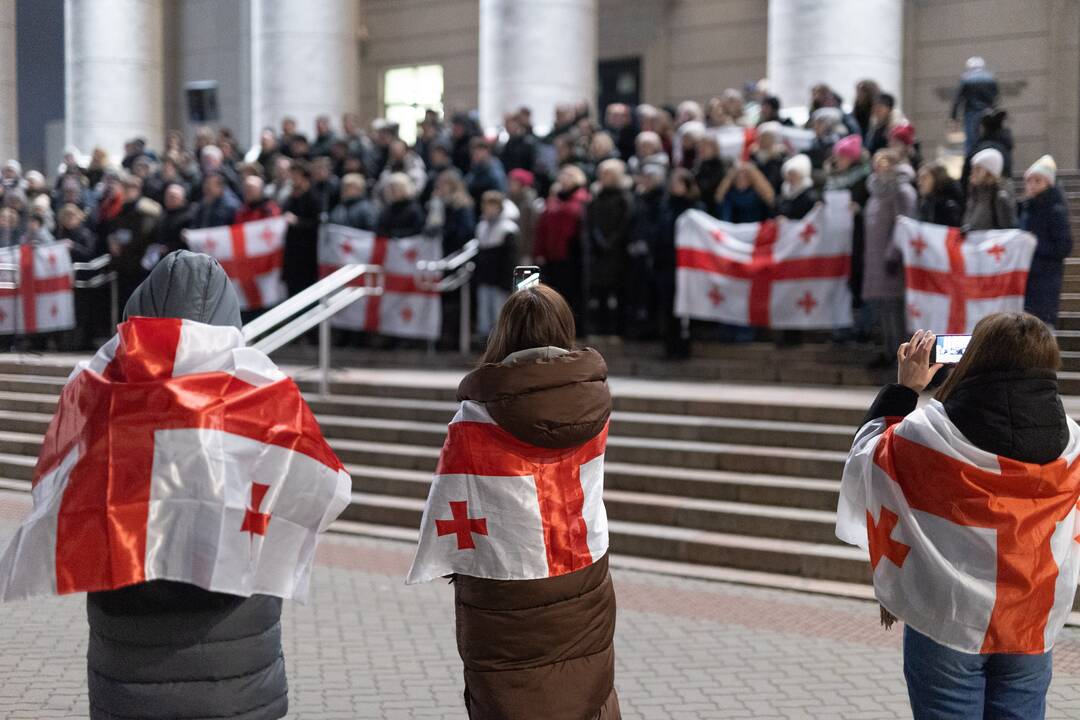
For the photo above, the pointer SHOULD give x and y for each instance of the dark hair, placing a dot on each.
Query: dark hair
(479, 142)
(1003, 342)
(772, 102)
(689, 182)
(886, 99)
(534, 317)
(301, 168)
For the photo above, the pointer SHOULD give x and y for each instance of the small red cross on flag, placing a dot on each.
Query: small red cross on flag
(407, 314)
(411, 255)
(462, 525)
(256, 522)
(996, 251)
(807, 303)
(918, 245)
(808, 233)
(716, 296)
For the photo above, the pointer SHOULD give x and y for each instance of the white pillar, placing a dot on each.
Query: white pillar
(305, 61)
(9, 107)
(537, 53)
(114, 62)
(837, 42)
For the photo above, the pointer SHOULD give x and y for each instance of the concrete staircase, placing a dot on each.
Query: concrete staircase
(699, 478)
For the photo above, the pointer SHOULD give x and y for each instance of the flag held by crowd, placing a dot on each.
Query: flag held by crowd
(503, 509)
(43, 298)
(781, 273)
(735, 142)
(224, 486)
(252, 255)
(954, 279)
(942, 547)
(406, 307)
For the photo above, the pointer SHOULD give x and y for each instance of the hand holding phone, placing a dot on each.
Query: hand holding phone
(949, 349)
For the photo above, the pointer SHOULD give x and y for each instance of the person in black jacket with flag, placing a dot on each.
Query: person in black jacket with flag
(1045, 215)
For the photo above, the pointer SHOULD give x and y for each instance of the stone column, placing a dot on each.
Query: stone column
(537, 53)
(114, 62)
(9, 106)
(838, 42)
(305, 62)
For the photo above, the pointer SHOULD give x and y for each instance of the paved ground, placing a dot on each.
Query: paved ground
(366, 646)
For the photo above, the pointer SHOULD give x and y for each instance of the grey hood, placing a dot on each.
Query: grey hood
(188, 286)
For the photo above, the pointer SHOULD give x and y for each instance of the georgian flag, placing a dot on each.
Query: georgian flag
(735, 141)
(44, 299)
(406, 308)
(976, 551)
(177, 453)
(954, 279)
(778, 274)
(252, 255)
(502, 509)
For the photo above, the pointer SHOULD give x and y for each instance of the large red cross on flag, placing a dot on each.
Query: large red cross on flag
(251, 254)
(177, 453)
(977, 551)
(954, 280)
(406, 308)
(44, 300)
(500, 508)
(778, 274)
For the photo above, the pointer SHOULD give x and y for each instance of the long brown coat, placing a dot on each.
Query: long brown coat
(541, 648)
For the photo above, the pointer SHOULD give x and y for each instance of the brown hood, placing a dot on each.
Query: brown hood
(545, 399)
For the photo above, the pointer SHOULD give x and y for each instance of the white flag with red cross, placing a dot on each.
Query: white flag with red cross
(777, 274)
(978, 552)
(407, 308)
(251, 254)
(735, 141)
(177, 454)
(502, 509)
(954, 279)
(44, 299)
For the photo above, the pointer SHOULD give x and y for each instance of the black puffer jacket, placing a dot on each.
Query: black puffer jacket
(1015, 414)
(170, 650)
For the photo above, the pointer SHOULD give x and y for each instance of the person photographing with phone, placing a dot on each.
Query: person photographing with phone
(967, 506)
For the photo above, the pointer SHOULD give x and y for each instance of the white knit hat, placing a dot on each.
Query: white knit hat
(989, 160)
(799, 163)
(1044, 166)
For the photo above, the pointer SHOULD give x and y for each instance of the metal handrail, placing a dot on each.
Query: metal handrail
(314, 306)
(460, 267)
(101, 261)
(95, 266)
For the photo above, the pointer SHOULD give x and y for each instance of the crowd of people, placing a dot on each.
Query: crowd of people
(593, 201)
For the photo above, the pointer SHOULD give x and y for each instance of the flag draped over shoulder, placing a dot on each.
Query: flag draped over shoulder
(958, 553)
(503, 509)
(784, 274)
(44, 300)
(406, 308)
(954, 279)
(177, 454)
(252, 255)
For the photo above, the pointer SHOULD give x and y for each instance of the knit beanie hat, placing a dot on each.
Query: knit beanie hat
(799, 163)
(989, 160)
(523, 176)
(904, 133)
(1044, 166)
(849, 147)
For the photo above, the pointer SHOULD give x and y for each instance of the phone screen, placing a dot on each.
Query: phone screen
(526, 276)
(949, 349)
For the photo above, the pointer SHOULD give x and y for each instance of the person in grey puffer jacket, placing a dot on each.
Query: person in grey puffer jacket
(165, 649)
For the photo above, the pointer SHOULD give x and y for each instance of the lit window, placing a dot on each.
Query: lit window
(408, 93)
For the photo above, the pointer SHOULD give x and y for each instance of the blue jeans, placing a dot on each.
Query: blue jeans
(945, 684)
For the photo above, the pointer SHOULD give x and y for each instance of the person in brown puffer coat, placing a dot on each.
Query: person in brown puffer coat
(539, 648)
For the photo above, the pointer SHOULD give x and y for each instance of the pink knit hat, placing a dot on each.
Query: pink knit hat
(849, 147)
(904, 133)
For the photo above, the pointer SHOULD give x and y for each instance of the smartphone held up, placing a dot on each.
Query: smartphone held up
(526, 276)
(949, 349)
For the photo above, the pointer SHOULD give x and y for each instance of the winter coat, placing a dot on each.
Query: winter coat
(358, 212)
(648, 229)
(216, 213)
(167, 649)
(170, 229)
(558, 230)
(403, 218)
(481, 178)
(798, 206)
(541, 648)
(301, 267)
(1047, 217)
(608, 222)
(520, 151)
(744, 206)
(709, 174)
(989, 207)
(84, 245)
(978, 91)
(526, 204)
(133, 230)
(944, 206)
(498, 252)
(854, 180)
(890, 197)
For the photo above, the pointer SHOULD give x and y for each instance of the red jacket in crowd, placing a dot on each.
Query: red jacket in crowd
(260, 211)
(559, 226)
